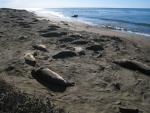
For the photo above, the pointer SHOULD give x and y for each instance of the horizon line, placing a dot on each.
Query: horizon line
(83, 7)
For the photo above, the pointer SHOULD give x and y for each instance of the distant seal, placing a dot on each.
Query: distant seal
(95, 48)
(128, 110)
(50, 77)
(133, 65)
(30, 59)
(64, 54)
(40, 47)
(79, 50)
(75, 16)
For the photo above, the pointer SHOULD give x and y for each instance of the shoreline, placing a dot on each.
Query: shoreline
(80, 26)
(56, 17)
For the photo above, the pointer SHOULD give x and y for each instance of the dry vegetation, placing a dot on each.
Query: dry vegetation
(14, 101)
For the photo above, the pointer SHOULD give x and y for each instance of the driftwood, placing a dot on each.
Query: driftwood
(134, 65)
(30, 59)
(50, 77)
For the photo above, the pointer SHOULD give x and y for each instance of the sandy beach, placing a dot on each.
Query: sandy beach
(110, 69)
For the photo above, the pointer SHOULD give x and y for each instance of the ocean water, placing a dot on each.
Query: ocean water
(130, 20)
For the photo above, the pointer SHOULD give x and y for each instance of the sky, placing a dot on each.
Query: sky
(75, 3)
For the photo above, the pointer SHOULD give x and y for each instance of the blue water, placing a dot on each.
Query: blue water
(133, 20)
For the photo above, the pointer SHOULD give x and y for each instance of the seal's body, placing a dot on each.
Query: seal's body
(40, 47)
(50, 77)
(30, 59)
(134, 65)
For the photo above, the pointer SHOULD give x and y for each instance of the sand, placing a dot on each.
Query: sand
(100, 85)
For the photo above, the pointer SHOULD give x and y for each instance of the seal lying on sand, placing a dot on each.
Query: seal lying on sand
(79, 50)
(134, 65)
(30, 59)
(53, 34)
(95, 48)
(64, 54)
(128, 110)
(50, 77)
(40, 47)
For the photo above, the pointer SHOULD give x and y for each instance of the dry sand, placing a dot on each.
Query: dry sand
(100, 85)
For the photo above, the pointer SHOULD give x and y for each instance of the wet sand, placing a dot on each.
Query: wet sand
(101, 86)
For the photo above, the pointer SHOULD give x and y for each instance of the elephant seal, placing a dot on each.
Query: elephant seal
(128, 110)
(79, 50)
(50, 77)
(64, 54)
(95, 48)
(134, 65)
(75, 16)
(40, 47)
(30, 59)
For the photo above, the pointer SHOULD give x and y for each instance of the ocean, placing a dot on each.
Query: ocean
(123, 19)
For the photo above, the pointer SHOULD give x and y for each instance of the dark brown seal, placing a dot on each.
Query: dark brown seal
(134, 65)
(50, 77)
